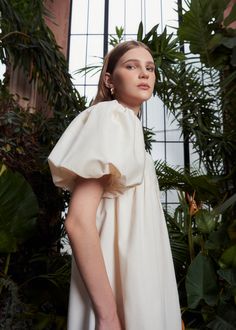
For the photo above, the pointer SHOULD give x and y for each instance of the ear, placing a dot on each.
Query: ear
(108, 80)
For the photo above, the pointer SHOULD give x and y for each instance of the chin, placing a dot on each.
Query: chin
(145, 98)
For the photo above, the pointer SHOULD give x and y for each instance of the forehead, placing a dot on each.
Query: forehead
(138, 53)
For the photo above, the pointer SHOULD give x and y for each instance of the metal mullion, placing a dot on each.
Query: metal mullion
(69, 32)
(86, 47)
(106, 22)
(185, 132)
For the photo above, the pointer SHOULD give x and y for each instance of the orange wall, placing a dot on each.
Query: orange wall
(59, 23)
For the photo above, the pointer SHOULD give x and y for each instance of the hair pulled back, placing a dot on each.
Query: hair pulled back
(109, 64)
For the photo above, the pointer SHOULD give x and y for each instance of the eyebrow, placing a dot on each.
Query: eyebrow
(136, 60)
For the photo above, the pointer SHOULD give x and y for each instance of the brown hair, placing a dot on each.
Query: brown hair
(109, 64)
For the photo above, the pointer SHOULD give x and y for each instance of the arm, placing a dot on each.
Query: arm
(83, 235)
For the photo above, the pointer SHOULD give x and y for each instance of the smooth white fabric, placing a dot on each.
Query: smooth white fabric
(108, 138)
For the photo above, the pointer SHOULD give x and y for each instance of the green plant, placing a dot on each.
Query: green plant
(18, 212)
(203, 242)
(194, 104)
(114, 40)
(28, 43)
(35, 268)
(202, 100)
(205, 28)
(34, 282)
(210, 284)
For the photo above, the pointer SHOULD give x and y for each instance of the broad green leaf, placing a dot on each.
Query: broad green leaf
(228, 258)
(8, 242)
(229, 42)
(194, 27)
(220, 324)
(218, 239)
(198, 28)
(231, 230)
(229, 275)
(18, 210)
(201, 282)
(229, 79)
(225, 318)
(233, 60)
(205, 221)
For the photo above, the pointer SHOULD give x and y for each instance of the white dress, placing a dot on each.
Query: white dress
(108, 139)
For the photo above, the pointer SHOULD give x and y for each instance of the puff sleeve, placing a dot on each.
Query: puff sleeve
(106, 138)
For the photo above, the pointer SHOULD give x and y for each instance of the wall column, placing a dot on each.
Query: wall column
(19, 85)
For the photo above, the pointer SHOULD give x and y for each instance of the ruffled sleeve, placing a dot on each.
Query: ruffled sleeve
(106, 138)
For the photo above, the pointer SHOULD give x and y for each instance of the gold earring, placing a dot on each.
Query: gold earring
(112, 90)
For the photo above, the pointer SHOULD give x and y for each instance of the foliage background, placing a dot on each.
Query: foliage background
(199, 91)
(34, 272)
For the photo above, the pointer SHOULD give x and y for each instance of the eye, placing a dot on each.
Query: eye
(130, 66)
(150, 68)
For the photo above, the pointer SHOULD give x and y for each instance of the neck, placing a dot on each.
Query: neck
(135, 109)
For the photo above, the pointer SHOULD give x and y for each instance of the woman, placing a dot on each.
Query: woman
(122, 271)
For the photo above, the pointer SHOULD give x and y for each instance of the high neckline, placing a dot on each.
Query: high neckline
(126, 108)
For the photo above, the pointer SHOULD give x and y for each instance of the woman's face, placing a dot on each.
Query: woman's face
(133, 78)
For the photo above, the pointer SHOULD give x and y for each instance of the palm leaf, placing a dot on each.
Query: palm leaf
(176, 178)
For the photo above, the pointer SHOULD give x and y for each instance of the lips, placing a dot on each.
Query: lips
(144, 86)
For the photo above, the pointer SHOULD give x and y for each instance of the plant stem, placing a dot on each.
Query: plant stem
(5, 271)
(14, 32)
(190, 238)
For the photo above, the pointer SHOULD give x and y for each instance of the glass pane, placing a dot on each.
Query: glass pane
(169, 14)
(153, 15)
(133, 15)
(172, 196)
(77, 58)
(95, 49)
(173, 134)
(158, 151)
(163, 196)
(94, 57)
(131, 36)
(155, 115)
(80, 89)
(79, 16)
(116, 15)
(96, 15)
(90, 93)
(175, 154)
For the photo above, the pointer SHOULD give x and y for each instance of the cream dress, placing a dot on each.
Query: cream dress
(108, 139)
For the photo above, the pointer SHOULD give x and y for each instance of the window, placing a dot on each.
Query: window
(87, 46)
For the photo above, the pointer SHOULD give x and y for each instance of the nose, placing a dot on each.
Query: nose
(143, 73)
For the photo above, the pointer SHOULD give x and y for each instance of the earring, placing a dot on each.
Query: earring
(112, 90)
